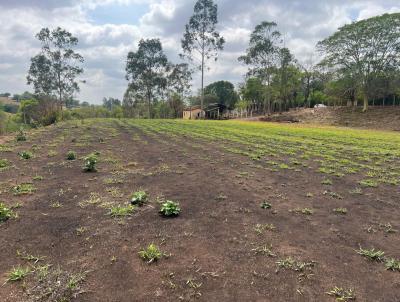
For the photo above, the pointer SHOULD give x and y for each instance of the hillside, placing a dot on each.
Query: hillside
(381, 118)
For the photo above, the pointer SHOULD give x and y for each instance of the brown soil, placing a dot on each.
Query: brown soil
(382, 118)
(211, 244)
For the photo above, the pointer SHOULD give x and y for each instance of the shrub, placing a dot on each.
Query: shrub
(4, 164)
(170, 208)
(5, 213)
(25, 155)
(90, 163)
(139, 198)
(151, 254)
(71, 155)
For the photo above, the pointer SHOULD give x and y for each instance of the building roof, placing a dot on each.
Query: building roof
(192, 108)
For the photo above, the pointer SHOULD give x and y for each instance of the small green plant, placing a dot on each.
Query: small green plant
(372, 254)
(5, 212)
(327, 182)
(265, 205)
(4, 163)
(151, 254)
(37, 177)
(292, 264)
(21, 137)
(170, 208)
(121, 211)
(342, 211)
(305, 211)
(368, 183)
(23, 189)
(392, 264)
(260, 228)
(25, 155)
(71, 155)
(341, 294)
(139, 198)
(17, 274)
(90, 163)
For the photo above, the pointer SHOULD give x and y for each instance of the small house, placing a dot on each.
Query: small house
(193, 113)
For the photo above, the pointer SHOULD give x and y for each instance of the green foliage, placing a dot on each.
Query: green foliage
(170, 208)
(25, 154)
(55, 69)
(139, 198)
(17, 274)
(353, 49)
(341, 294)
(371, 254)
(342, 211)
(90, 162)
(121, 211)
(4, 163)
(392, 264)
(224, 91)
(201, 37)
(145, 71)
(5, 212)
(151, 254)
(23, 189)
(71, 155)
(265, 205)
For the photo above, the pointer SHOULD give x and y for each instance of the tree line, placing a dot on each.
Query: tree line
(359, 63)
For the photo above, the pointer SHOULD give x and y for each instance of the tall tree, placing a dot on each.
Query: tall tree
(54, 71)
(146, 71)
(368, 48)
(179, 78)
(261, 55)
(225, 93)
(201, 40)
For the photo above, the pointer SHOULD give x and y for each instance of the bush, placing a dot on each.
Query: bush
(5, 213)
(4, 163)
(90, 163)
(71, 155)
(139, 198)
(25, 155)
(151, 254)
(170, 208)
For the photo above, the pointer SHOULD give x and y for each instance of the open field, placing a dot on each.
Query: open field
(268, 213)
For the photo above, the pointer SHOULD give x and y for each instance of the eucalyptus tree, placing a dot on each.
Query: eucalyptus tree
(262, 54)
(201, 40)
(146, 71)
(179, 78)
(367, 48)
(54, 71)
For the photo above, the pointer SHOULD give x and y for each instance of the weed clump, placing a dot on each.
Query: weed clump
(71, 155)
(151, 254)
(90, 163)
(170, 208)
(25, 155)
(342, 294)
(21, 137)
(5, 212)
(139, 198)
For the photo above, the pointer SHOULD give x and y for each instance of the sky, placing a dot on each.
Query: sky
(108, 29)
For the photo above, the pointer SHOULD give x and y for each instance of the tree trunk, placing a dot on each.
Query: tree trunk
(365, 108)
(202, 85)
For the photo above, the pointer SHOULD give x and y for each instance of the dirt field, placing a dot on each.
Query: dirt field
(224, 246)
(383, 118)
